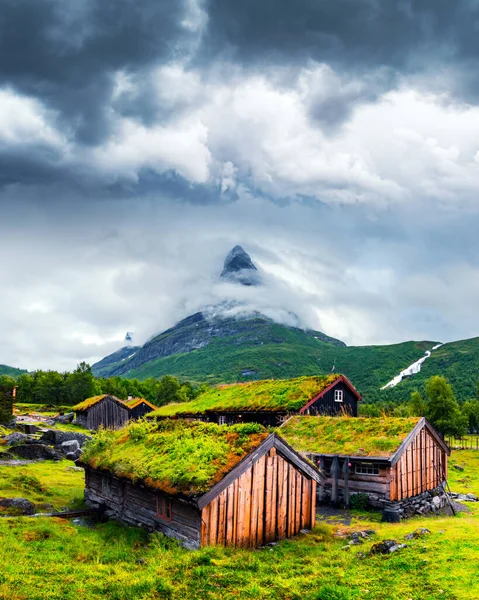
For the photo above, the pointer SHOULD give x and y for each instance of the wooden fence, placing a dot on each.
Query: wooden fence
(468, 442)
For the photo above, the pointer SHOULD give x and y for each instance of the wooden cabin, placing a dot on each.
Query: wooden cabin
(269, 402)
(105, 411)
(139, 407)
(110, 412)
(209, 485)
(388, 458)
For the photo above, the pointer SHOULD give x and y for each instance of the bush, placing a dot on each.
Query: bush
(359, 501)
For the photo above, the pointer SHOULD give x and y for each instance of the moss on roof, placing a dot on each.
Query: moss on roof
(89, 402)
(348, 436)
(135, 401)
(174, 456)
(266, 395)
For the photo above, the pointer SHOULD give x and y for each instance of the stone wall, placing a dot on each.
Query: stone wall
(427, 502)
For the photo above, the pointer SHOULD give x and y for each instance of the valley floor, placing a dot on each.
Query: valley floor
(55, 559)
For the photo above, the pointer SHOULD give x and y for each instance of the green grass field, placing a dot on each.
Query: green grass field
(53, 559)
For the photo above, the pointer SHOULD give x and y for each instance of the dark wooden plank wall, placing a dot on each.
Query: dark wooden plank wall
(81, 418)
(107, 413)
(140, 411)
(272, 500)
(265, 418)
(327, 406)
(422, 467)
(136, 505)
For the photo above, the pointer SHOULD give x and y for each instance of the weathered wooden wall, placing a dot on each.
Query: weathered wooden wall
(272, 500)
(108, 413)
(376, 484)
(422, 467)
(140, 411)
(136, 505)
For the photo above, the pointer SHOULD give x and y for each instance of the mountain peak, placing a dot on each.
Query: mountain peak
(239, 268)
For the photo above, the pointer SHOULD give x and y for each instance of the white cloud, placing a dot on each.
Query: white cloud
(25, 122)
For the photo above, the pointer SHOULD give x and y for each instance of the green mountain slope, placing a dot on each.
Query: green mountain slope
(11, 371)
(258, 348)
(457, 361)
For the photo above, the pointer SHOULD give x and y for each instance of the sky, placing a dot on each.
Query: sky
(140, 140)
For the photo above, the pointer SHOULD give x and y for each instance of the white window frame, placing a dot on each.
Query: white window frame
(222, 420)
(338, 395)
(366, 469)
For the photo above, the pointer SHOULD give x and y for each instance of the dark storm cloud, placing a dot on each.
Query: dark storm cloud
(65, 53)
(353, 33)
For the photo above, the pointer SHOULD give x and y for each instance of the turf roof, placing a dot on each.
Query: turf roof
(135, 401)
(267, 395)
(347, 436)
(174, 456)
(89, 402)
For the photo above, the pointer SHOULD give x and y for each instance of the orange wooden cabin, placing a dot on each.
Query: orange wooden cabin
(270, 495)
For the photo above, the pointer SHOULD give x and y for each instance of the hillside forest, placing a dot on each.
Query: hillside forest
(436, 400)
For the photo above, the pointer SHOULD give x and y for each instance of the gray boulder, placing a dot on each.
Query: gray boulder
(56, 438)
(386, 547)
(20, 505)
(74, 456)
(68, 418)
(70, 446)
(35, 452)
(16, 438)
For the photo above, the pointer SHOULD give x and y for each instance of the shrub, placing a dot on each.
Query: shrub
(359, 501)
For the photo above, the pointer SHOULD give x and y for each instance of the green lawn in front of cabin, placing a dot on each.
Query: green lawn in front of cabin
(53, 559)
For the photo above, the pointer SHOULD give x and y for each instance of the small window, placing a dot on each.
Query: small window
(163, 508)
(338, 395)
(222, 420)
(366, 469)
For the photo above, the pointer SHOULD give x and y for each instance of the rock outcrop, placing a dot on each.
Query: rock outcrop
(239, 268)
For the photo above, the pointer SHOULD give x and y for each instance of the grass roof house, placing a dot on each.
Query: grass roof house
(109, 412)
(269, 402)
(389, 458)
(202, 483)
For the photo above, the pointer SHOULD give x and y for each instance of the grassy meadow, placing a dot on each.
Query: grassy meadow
(54, 559)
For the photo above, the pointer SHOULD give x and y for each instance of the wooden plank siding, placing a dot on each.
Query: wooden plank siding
(422, 467)
(108, 413)
(327, 406)
(270, 501)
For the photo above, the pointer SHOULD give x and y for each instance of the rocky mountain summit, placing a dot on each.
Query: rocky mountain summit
(213, 325)
(239, 268)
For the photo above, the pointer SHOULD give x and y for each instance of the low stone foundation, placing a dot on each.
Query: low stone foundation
(427, 502)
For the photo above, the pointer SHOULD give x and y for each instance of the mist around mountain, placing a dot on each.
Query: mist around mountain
(234, 323)
(231, 341)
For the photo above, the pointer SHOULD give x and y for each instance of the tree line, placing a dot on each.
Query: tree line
(52, 388)
(439, 405)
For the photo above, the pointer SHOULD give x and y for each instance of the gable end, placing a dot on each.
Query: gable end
(272, 441)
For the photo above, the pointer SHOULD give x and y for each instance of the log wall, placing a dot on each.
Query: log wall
(422, 467)
(272, 500)
(136, 505)
(108, 414)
